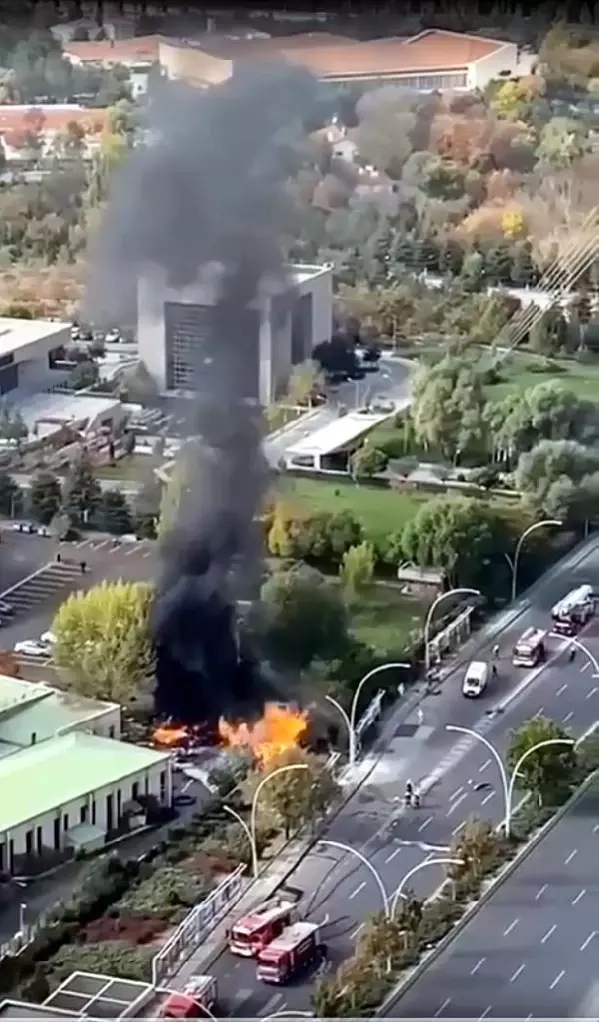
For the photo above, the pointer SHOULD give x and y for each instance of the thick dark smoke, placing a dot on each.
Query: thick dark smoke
(205, 198)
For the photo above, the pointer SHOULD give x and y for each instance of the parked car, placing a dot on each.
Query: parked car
(113, 336)
(33, 648)
(27, 527)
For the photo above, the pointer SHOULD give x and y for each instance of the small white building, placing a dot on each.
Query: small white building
(177, 341)
(29, 352)
(73, 791)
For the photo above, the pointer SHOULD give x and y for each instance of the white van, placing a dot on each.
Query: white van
(475, 679)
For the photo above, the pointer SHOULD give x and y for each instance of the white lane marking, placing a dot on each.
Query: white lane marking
(540, 892)
(457, 803)
(586, 943)
(580, 895)
(425, 824)
(567, 717)
(559, 976)
(359, 888)
(480, 770)
(539, 712)
(456, 830)
(591, 692)
(456, 793)
(356, 931)
(518, 972)
(551, 930)
(445, 1005)
(391, 857)
(570, 857)
(485, 1013)
(480, 962)
(510, 927)
(585, 666)
(595, 828)
(562, 688)
(487, 798)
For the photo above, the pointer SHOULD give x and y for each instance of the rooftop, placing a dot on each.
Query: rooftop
(16, 334)
(90, 994)
(28, 708)
(142, 49)
(48, 412)
(432, 50)
(232, 47)
(60, 770)
(337, 435)
(51, 118)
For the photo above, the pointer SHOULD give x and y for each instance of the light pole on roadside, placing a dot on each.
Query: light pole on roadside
(508, 782)
(250, 830)
(350, 719)
(400, 890)
(429, 617)
(373, 871)
(514, 562)
(573, 641)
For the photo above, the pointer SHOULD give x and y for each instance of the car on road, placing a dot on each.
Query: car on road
(113, 336)
(33, 648)
(382, 406)
(27, 527)
(48, 639)
(476, 679)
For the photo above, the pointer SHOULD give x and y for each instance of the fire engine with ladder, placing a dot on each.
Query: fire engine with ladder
(250, 934)
(295, 950)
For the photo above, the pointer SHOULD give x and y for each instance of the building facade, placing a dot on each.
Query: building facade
(29, 352)
(178, 342)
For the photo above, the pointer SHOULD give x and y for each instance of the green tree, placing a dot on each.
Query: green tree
(476, 846)
(85, 374)
(173, 493)
(562, 142)
(447, 407)
(462, 536)
(357, 569)
(45, 497)
(549, 773)
(543, 472)
(297, 797)
(305, 382)
(103, 642)
(368, 461)
(549, 335)
(384, 941)
(11, 496)
(302, 618)
(82, 492)
(113, 513)
(355, 990)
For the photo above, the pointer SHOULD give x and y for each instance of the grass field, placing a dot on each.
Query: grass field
(385, 619)
(582, 378)
(379, 511)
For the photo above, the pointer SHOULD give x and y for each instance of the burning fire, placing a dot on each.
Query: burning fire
(170, 737)
(280, 729)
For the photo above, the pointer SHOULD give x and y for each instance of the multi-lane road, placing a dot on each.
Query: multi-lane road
(459, 778)
(531, 950)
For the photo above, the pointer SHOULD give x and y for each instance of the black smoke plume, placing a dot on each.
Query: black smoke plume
(206, 198)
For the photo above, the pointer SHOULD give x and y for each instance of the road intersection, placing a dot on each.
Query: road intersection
(459, 780)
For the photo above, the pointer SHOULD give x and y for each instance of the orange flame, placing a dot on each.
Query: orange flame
(280, 729)
(170, 737)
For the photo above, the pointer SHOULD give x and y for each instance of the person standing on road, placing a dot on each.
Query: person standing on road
(496, 651)
(83, 566)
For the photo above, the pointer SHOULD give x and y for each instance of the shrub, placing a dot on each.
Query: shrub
(111, 958)
(167, 890)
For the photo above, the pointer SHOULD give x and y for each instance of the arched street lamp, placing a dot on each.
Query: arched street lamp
(514, 563)
(350, 719)
(462, 591)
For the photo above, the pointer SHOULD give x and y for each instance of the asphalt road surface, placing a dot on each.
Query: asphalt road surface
(532, 949)
(460, 780)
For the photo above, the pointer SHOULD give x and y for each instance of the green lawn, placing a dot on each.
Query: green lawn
(380, 511)
(138, 466)
(519, 374)
(385, 619)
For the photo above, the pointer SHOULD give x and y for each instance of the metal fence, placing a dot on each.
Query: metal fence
(195, 928)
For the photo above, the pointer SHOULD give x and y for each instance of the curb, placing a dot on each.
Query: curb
(492, 886)
(301, 420)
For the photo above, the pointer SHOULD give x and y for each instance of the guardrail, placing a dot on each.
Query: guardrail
(195, 928)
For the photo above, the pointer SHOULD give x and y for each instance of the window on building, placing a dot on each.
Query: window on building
(197, 360)
(57, 833)
(33, 737)
(135, 791)
(94, 812)
(39, 840)
(65, 821)
(111, 731)
(9, 379)
(29, 842)
(2, 855)
(163, 785)
(83, 813)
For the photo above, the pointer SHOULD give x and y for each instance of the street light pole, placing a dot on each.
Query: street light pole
(581, 646)
(354, 706)
(374, 872)
(345, 716)
(429, 617)
(508, 783)
(515, 771)
(251, 830)
(527, 532)
(399, 892)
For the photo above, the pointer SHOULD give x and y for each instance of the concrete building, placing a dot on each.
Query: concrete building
(137, 54)
(29, 352)
(48, 123)
(72, 791)
(48, 416)
(431, 60)
(176, 331)
(33, 712)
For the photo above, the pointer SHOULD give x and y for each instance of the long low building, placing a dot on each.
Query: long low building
(342, 436)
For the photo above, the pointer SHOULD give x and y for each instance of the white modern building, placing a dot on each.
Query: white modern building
(176, 331)
(67, 782)
(29, 352)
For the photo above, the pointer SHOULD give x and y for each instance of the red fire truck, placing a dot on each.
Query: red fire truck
(297, 948)
(198, 995)
(259, 927)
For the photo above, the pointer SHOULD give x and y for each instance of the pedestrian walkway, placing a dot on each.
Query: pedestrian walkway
(41, 585)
